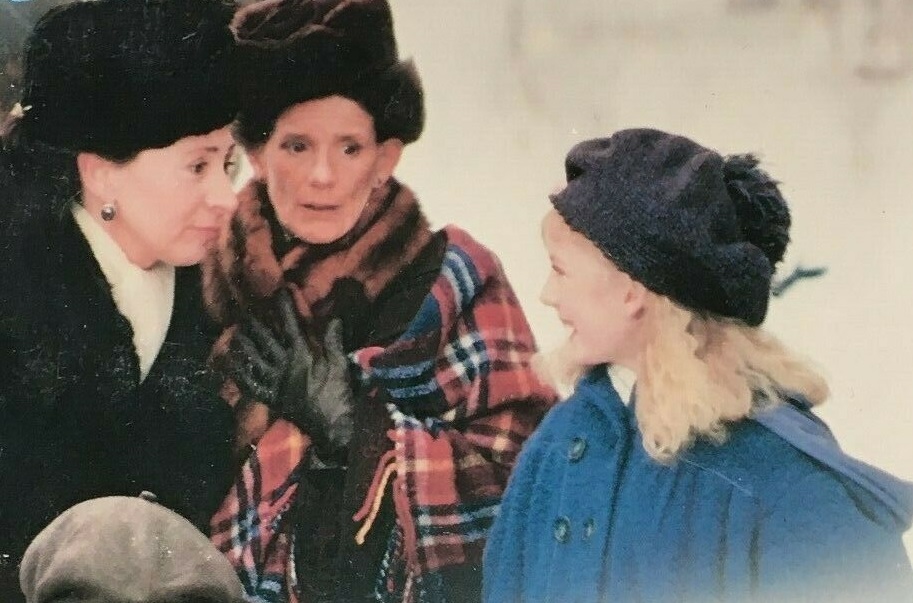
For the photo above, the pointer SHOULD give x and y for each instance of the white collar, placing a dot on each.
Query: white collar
(144, 297)
(623, 380)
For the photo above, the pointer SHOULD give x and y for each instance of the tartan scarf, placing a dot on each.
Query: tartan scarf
(256, 258)
(463, 366)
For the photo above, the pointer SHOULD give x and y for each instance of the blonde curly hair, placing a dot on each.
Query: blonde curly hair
(699, 373)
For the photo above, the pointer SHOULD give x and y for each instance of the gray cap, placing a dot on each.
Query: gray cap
(125, 550)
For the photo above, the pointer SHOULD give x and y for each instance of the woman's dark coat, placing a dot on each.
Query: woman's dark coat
(75, 421)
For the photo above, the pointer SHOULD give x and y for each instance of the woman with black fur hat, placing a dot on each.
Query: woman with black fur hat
(113, 185)
(716, 482)
(381, 369)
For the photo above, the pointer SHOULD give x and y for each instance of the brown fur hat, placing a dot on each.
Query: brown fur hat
(292, 51)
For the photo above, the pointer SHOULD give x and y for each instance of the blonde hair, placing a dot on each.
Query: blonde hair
(698, 373)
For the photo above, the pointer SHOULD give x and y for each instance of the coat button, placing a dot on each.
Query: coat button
(576, 449)
(562, 531)
(589, 527)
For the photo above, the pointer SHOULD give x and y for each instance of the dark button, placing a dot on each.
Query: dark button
(576, 449)
(589, 527)
(562, 530)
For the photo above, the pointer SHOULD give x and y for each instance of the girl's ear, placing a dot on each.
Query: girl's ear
(635, 301)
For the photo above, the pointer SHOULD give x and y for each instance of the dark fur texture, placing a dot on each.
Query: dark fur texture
(114, 78)
(292, 51)
(75, 423)
(347, 278)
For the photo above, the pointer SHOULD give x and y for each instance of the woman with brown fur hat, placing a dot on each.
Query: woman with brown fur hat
(381, 370)
(716, 482)
(113, 185)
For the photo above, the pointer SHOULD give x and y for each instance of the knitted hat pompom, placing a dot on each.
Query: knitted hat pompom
(762, 211)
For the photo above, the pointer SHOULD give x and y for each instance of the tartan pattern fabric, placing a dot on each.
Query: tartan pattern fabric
(463, 398)
(249, 528)
(464, 366)
(256, 258)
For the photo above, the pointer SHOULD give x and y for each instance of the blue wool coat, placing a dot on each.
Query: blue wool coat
(588, 516)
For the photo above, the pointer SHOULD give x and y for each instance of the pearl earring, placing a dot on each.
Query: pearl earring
(108, 211)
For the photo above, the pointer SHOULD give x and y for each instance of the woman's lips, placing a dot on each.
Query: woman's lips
(319, 206)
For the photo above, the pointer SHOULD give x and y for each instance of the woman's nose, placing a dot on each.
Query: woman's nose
(548, 295)
(322, 171)
(221, 194)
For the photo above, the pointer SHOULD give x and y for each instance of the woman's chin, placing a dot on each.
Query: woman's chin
(321, 239)
(186, 257)
(319, 236)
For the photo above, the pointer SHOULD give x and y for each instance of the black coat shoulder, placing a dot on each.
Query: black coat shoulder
(76, 421)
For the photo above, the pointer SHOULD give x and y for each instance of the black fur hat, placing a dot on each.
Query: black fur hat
(292, 51)
(114, 77)
(704, 230)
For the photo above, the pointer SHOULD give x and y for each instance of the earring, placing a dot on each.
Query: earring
(108, 211)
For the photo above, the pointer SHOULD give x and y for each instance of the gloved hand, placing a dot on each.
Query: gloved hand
(309, 388)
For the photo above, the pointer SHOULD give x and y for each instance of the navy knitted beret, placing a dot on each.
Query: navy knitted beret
(701, 229)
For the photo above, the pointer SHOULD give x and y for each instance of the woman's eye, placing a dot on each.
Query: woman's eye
(230, 165)
(295, 146)
(199, 167)
(352, 149)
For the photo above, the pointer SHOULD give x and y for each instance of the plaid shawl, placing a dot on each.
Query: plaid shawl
(463, 365)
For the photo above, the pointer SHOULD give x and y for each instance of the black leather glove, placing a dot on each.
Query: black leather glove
(309, 388)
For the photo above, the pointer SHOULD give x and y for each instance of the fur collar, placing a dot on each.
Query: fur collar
(257, 257)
